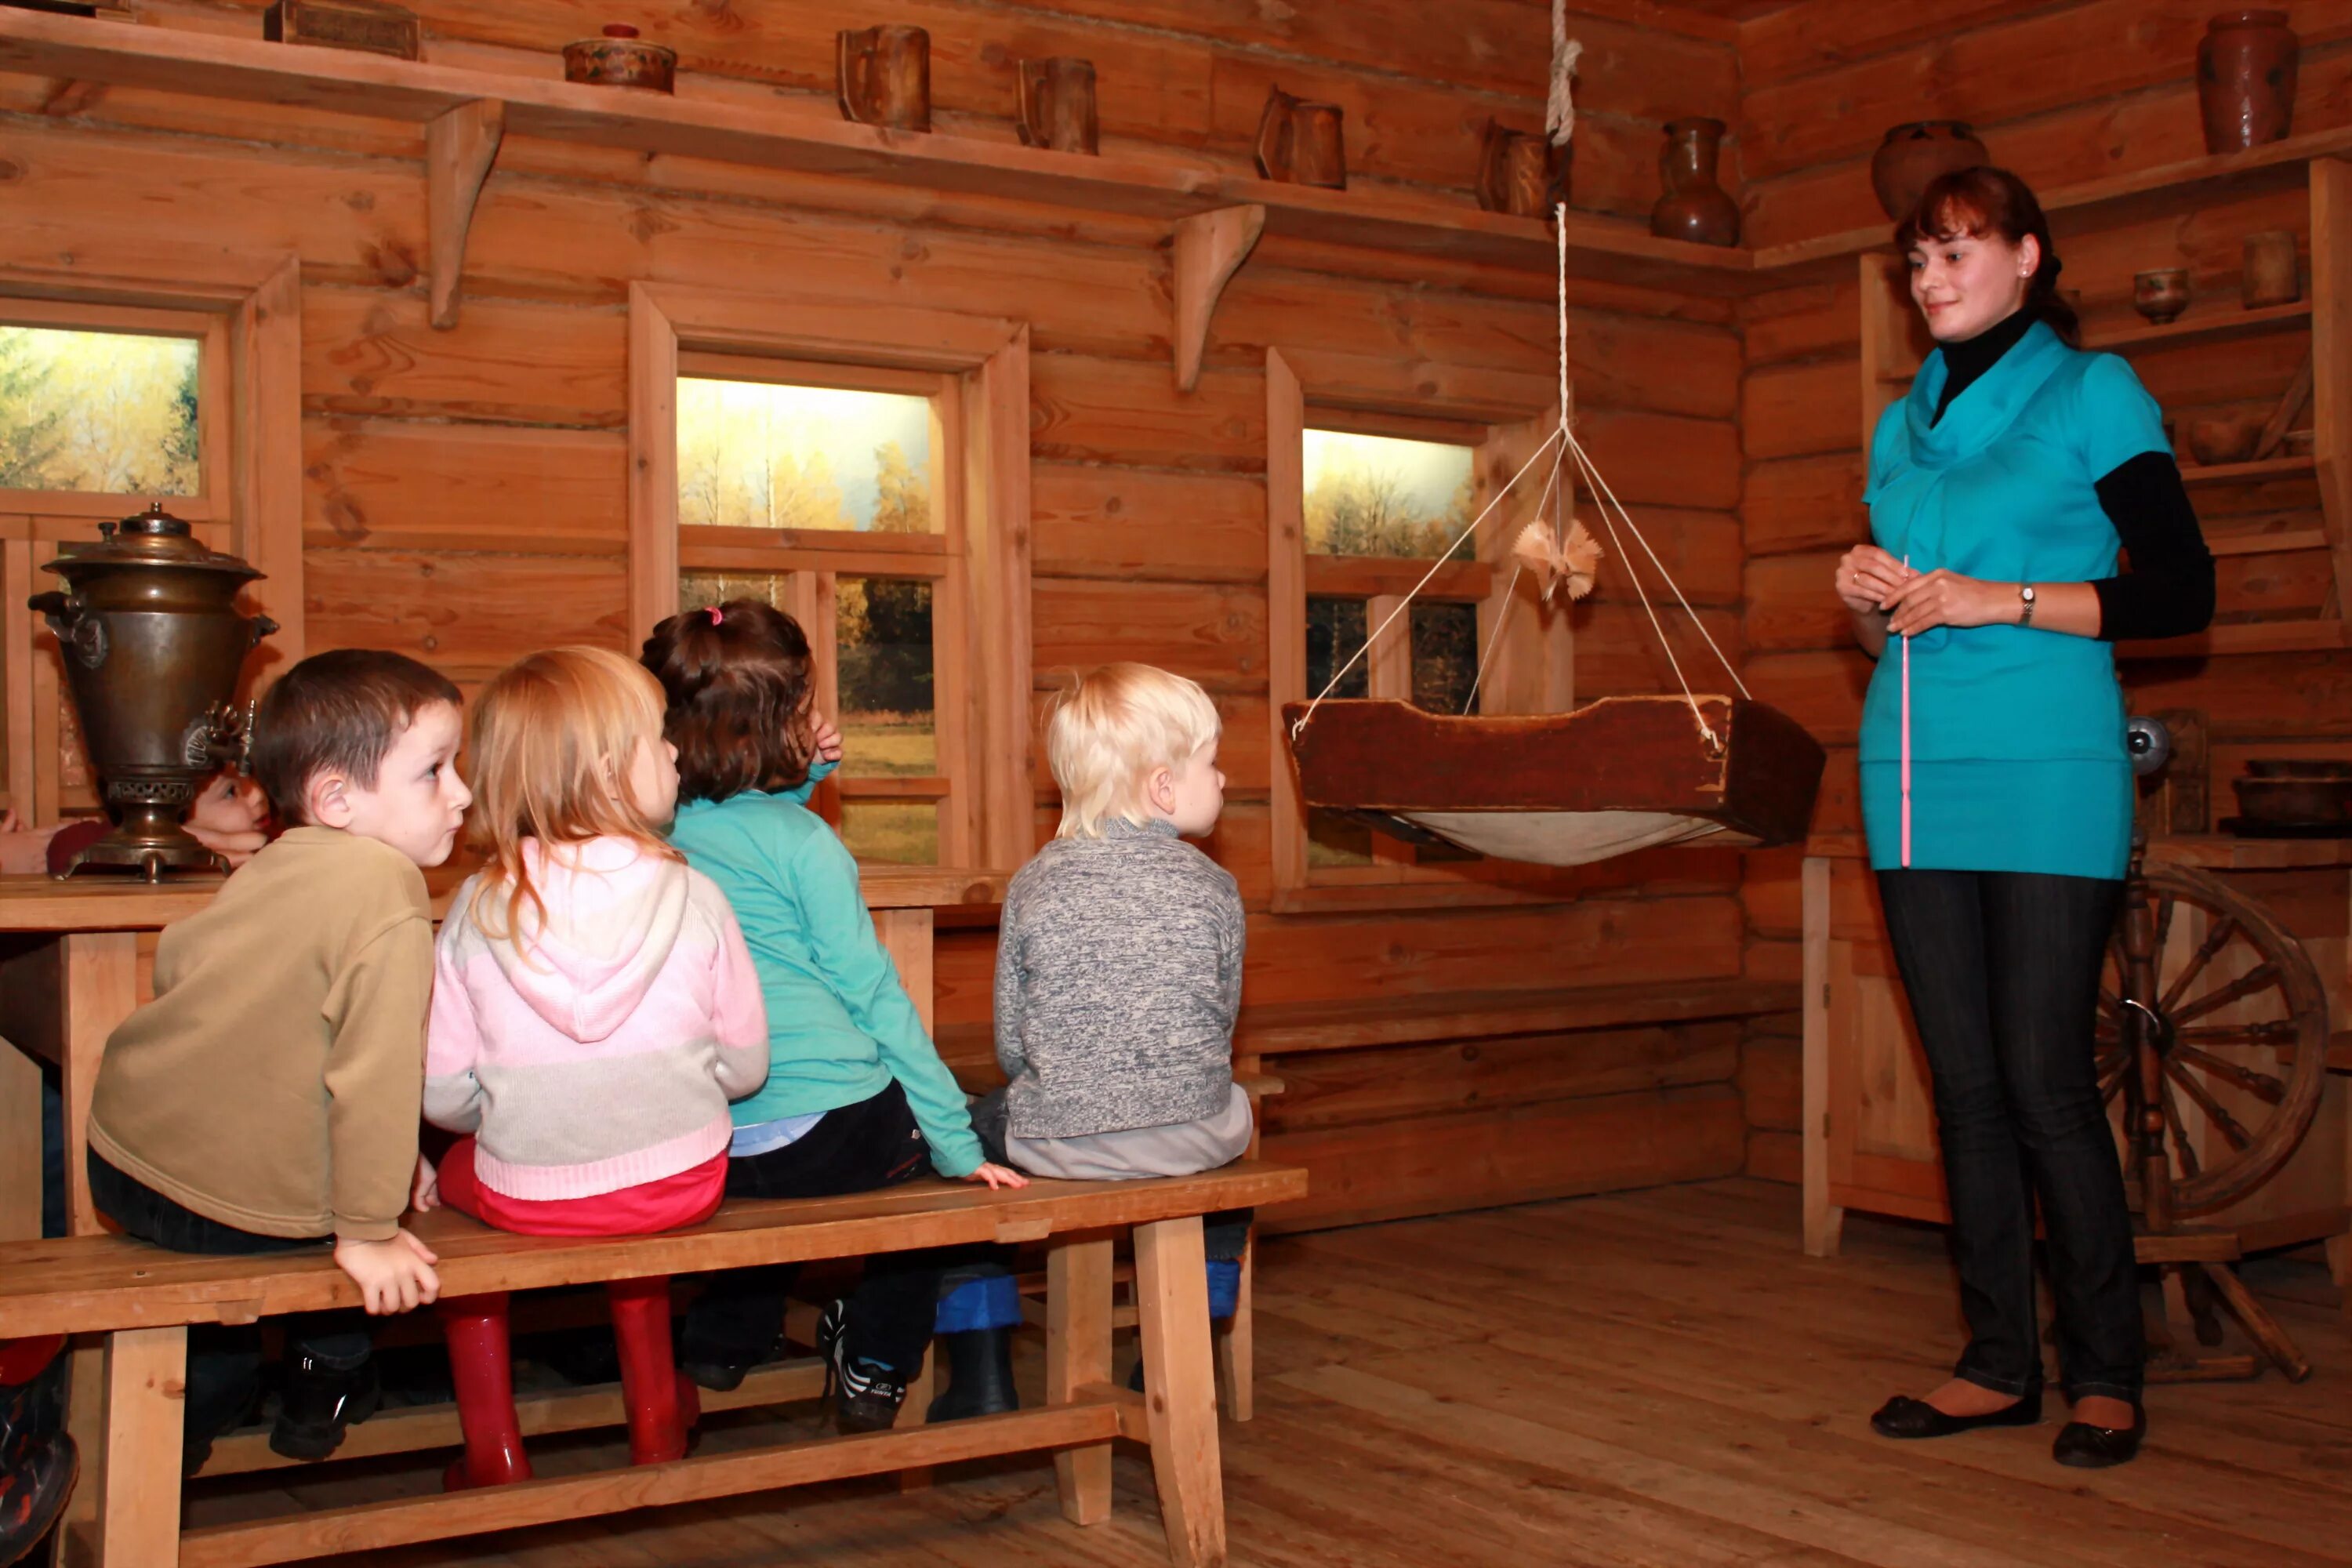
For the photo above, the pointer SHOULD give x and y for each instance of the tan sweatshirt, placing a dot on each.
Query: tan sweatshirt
(274, 1083)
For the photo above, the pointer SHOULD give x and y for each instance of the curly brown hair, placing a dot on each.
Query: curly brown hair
(739, 681)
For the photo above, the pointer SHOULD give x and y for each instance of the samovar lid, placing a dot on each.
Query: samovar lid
(154, 538)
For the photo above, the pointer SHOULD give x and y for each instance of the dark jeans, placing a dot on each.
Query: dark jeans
(2002, 969)
(224, 1362)
(1224, 1234)
(858, 1148)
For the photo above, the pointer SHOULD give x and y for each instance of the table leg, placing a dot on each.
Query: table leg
(139, 1501)
(906, 936)
(1171, 1298)
(101, 988)
(1077, 1356)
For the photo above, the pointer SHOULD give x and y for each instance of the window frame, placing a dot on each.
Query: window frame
(976, 372)
(1503, 416)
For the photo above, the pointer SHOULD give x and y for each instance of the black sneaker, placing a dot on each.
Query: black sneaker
(317, 1402)
(866, 1394)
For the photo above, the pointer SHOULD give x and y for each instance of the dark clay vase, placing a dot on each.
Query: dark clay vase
(1914, 155)
(1694, 206)
(2245, 79)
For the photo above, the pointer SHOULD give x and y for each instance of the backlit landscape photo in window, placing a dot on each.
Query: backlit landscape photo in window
(98, 413)
(755, 454)
(1379, 495)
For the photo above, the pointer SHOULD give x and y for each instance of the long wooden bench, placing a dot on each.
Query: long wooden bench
(143, 1299)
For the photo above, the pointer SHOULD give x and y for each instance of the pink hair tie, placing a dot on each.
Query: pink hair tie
(715, 615)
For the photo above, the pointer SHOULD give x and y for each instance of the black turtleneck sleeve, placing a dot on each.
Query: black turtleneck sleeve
(2168, 592)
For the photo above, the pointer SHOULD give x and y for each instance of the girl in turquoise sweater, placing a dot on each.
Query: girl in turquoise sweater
(856, 1096)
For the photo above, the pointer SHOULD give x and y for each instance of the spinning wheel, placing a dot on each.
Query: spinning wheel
(2235, 1020)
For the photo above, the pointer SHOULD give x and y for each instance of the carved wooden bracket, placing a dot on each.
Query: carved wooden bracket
(459, 148)
(1209, 247)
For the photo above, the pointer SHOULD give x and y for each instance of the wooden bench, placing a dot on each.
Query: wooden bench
(143, 1299)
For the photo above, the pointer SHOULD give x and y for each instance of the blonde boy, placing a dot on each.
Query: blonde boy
(1118, 968)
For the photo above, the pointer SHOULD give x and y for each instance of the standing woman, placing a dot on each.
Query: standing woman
(1995, 788)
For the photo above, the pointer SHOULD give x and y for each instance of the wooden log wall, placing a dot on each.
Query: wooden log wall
(466, 501)
(1821, 84)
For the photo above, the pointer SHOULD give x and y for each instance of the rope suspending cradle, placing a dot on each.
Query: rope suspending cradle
(1618, 774)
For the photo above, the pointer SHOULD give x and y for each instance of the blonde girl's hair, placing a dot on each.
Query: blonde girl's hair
(1111, 728)
(552, 738)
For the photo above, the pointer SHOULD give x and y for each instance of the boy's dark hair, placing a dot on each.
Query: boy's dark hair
(340, 712)
(736, 678)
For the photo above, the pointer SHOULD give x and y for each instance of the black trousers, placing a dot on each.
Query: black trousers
(224, 1362)
(2002, 971)
(858, 1148)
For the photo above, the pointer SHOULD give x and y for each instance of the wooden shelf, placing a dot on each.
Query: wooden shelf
(2196, 474)
(2251, 636)
(2266, 544)
(2203, 327)
(252, 70)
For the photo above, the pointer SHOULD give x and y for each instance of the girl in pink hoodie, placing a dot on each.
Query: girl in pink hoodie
(594, 1008)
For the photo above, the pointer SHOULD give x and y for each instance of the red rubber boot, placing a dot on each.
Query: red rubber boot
(483, 1373)
(661, 1402)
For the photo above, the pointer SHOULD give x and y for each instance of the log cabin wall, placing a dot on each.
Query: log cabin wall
(2063, 94)
(465, 500)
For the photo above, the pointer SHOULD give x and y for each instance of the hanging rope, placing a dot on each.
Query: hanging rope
(1559, 112)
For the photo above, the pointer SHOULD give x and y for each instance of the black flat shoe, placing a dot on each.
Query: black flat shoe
(1904, 1416)
(2089, 1447)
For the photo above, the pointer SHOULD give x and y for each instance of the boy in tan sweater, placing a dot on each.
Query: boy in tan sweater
(268, 1099)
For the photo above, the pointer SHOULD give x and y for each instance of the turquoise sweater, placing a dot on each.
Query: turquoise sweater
(840, 1025)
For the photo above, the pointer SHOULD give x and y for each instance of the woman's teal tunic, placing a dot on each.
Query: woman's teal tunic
(2016, 733)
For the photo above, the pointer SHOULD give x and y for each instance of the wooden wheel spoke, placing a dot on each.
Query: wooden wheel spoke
(2215, 941)
(2110, 1005)
(2262, 977)
(2115, 1086)
(2259, 1084)
(2110, 1062)
(2231, 1128)
(2163, 925)
(2190, 1165)
(2278, 1032)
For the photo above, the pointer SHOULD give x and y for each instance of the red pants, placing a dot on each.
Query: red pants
(689, 1197)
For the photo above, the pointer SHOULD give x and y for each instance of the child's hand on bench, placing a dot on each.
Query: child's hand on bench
(394, 1276)
(425, 1192)
(998, 1177)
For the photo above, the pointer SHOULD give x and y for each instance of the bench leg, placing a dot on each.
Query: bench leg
(920, 1390)
(1171, 1298)
(1077, 1354)
(1236, 1347)
(146, 1395)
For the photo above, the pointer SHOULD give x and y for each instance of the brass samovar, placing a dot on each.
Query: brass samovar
(153, 643)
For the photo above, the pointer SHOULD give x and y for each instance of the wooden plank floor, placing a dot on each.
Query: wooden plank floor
(1652, 1378)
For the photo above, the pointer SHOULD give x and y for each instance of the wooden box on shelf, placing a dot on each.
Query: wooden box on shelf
(371, 27)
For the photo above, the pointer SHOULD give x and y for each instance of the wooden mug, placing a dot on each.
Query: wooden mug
(1301, 142)
(1519, 172)
(883, 77)
(1058, 104)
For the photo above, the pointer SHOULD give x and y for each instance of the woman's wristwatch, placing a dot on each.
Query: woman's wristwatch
(2025, 598)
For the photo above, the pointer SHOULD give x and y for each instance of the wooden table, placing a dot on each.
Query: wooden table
(1869, 1132)
(72, 966)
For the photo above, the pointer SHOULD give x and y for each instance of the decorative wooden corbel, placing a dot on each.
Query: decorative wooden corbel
(1209, 247)
(459, 148)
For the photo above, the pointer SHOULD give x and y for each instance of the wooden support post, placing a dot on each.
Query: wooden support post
(101, 988)
(139, 1502)
(459, 148)
(1209, 247)
(1824, 1222)
(2331, 340)
(1077, 1356)
(916, 1412)
(1171, 1298)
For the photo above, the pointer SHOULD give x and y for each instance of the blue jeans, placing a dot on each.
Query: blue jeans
(2002, 971)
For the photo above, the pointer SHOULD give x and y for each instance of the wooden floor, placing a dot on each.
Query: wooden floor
(1655, 1378)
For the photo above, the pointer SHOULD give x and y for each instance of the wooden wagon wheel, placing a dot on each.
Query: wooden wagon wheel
(2240, 1026)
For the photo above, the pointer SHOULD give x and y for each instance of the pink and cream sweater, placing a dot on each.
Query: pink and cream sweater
(595, 1049)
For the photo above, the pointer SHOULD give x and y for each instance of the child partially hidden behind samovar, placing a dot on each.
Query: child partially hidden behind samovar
(267, 1099)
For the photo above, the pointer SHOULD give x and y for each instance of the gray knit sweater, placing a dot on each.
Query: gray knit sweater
(1118, 971)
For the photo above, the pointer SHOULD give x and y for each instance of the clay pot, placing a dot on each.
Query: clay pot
(1057, 105)
(1695, 207)
(620, 59)
(882, 76)
(1914, 155)
(1302, 143)
(1520, 173)
(2160, 295)
(2271, 275)
(2245, 79)
(2213, 442)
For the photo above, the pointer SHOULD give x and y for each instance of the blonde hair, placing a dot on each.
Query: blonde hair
(553, 736)
(1111, 728)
